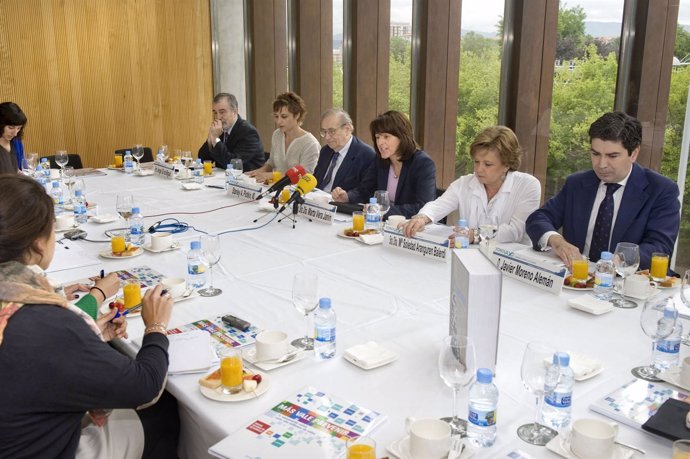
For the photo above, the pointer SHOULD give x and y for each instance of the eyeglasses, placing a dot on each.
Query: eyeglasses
(331, 131)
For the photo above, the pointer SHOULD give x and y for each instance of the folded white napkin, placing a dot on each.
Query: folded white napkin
(104, 218)
(371, 239)
(369, 355)
(192, 186)
(590, 304)
(144, 172)
(190, 352)
(583, 366)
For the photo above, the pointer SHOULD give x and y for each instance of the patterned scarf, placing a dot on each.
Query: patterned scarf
(21, 285)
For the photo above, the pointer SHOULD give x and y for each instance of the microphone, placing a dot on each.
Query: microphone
(304, 186)
(292, 176)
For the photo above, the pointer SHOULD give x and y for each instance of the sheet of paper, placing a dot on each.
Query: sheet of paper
(68, 255)
(190, 352)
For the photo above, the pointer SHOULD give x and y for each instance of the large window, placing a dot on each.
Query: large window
(338, 53)
(400, 63)
(480, 69)
(677, 105)
(584, 84)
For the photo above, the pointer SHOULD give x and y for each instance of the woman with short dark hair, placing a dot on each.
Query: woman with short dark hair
(12, 122)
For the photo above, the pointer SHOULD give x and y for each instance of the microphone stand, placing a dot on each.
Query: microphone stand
(275, 206)
(295, 207)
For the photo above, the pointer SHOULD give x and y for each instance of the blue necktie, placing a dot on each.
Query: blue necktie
(329, 171)
(602, 225)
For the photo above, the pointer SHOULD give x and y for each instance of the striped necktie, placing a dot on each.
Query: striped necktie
(603, 223)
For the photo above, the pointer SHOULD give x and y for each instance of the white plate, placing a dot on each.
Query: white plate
(401, 449)
(559, 446)
(105, 308)
(105, 218)
(218, 395)
(585, 289)
(175, 245)
(108, 253)
(341, 233)
(250, 356)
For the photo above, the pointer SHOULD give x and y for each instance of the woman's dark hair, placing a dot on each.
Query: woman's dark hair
(12, 115)
(617, 127)
(397, 124)
(294, 103)
(26, 214)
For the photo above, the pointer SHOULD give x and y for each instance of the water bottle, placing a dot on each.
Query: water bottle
(667, 351)
(483, 400)
(462, 234)
(372, 218)
(558, 387)
(56, 195)
(41, 179)
(45, 168)
(196, 269)
(129, 162)
(324, 330)
(199, 172)
(79, 204)
(603, 279)
(136, 228)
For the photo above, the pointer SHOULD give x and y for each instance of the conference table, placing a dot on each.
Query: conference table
(380, 294)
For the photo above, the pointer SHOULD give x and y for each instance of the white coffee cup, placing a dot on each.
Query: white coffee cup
(395, 220)
(64, 222)
(638, 286)
(161, 241)
(593, 438)
(175, 286)
(271, 344)
(429, 438)
(685, 372)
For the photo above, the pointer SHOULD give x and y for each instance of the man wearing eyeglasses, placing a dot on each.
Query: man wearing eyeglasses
(344, 159)
(231, 137)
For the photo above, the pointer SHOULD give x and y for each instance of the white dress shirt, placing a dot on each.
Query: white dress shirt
(342, 153)
(517, 198)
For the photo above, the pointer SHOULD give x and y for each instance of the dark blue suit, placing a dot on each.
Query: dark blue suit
(416, 185)
(360, 158)
(649, 213)
(243, 142)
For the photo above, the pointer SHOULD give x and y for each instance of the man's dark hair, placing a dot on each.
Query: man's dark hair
(232, 100)
(618, 127)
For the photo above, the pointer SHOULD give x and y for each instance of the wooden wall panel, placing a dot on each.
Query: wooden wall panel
(95, 76)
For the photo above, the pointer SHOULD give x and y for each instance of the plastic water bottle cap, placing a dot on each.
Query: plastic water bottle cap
(606, 256)
(372, 201)
(77, 193)
(484, 375)
(554, 360)
(135, 210)
(44, 160)
(228, 167)
(195, 245)
(56, 185)
(128, 152)
(462, 222)
(563, 359)
(325, 303)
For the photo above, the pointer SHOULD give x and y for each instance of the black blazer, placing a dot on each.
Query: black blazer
(360, 157)
(416, 185)
(243, 143)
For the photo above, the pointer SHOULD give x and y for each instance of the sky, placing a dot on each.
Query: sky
(482, 15)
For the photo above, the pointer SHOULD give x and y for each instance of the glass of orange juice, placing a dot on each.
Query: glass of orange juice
(118, 160)
(208, 167)
(117, 242)
(284, 196)
(659, 267)
(581, 269)
(681, 449)
(276, 176)
(358, 220)
(230, 371)
(132, 292)
(361, 448)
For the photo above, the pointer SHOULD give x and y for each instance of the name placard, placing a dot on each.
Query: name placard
(164, 170)
(428, 244)
(528, 268)
(316, 212)
(244, 191)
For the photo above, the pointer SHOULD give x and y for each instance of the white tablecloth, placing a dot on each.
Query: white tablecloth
(397, 299)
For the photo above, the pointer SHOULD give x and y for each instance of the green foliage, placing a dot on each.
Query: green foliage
(399, 75)
(682, 47)
(337, 85)
(571, 33)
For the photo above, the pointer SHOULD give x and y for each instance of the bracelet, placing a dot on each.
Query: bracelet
(100, 290)
(158, 327)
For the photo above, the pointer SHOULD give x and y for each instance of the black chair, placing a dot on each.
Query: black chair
(147, 158)
(74, 161)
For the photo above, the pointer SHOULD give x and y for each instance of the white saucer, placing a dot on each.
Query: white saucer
(401, 449)
(143, 172)
(175, 245)
(104, 218)
(650, 293)
(250, 356)
(108, 253)
(673, 377)
(558, 445)
(218, 395)
(67, 229)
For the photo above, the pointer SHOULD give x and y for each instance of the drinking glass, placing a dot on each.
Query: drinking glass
(659, 266)
(361, 448)
(163, 153)
(626, 259)
(61, 159)
(488, 227)
(230, 371)
(186, 158)
(656, 323)
(305, 299)
(236, 167)
(138, 153)
(124, 205)
(29, 165)
(383, 200)
(685, 298)
(456, 364)
(681, 449)
(210, 254)
(533, 373)
(68, 180)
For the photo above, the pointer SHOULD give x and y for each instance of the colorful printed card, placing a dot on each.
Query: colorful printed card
(309, 424)
(145, 275)
(637, 401)
(221, 333)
